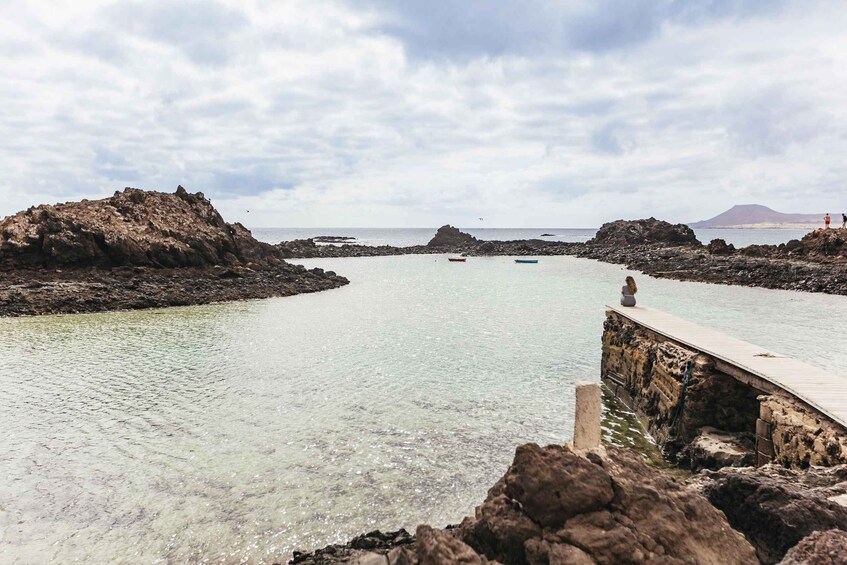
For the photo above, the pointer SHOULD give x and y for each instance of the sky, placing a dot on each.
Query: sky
(391, 113)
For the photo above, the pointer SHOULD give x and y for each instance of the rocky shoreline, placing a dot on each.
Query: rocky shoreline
(138, 249)
(558, 506)
(817, 263)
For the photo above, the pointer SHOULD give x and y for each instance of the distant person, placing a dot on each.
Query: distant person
(628, 292)
(843, 220)
(826, 220)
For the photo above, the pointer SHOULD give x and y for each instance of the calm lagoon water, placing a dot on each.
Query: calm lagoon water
(239, 432)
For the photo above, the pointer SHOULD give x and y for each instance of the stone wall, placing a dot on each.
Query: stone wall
(649, 372)
(715, 419)
(795, 435)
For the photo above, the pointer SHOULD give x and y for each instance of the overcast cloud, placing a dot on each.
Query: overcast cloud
(418, 113)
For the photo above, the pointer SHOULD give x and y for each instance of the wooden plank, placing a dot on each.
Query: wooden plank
(812, 385)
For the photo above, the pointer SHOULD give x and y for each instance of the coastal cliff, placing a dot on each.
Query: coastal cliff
(138, 249)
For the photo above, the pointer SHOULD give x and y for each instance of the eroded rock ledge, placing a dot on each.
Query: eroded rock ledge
(138, 249)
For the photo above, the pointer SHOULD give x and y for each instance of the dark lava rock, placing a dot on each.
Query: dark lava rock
(775, 507)
(649, 231)
(133, 227)
(819, 548)
(829, 243)
(720, 247)
(450, 237)
(138, 249)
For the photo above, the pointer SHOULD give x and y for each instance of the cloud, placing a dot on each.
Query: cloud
(409, 113)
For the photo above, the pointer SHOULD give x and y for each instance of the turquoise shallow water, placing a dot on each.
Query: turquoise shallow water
(238, 432)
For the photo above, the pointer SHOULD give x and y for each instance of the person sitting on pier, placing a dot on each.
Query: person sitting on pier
(628, 292)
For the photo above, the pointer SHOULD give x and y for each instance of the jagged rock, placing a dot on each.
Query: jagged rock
(436, 547)
(649, 231)
(775, 507)
(138, 249)
(449, 237)
(819, 548)
(600, 509)
(720, 247)
(133, 227)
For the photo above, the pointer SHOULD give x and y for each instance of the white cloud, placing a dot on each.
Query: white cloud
(324, 113)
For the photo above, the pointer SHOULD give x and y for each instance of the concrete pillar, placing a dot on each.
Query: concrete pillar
(586, 428)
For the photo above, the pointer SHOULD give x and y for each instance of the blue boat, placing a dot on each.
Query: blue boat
(526, 260)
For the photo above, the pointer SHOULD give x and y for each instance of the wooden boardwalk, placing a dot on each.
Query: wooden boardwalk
(815, 387)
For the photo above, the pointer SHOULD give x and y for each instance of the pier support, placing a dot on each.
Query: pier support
(586, 429)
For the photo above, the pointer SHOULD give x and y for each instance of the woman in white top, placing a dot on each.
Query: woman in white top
(628, 292)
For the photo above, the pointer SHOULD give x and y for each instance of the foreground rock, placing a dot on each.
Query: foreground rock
(819, 548)
(555, 506)
(138, 249)
(775, 508)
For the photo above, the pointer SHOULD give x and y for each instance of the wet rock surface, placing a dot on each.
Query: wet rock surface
(774, 507)
(555, 506)
(138, 249)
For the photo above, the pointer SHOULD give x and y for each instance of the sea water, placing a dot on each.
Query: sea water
(239, 432)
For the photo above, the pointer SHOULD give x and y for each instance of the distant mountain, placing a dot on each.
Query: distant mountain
(757, 216)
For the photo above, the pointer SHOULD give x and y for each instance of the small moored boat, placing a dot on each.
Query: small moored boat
(456, 259)
(526, 260)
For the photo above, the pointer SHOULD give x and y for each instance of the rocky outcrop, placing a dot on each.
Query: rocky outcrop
(555, 506)
(819, 548)
(131, 228)
(448, 237)
(138, 249)
(720, 247)
(641, 232)
(774, 507)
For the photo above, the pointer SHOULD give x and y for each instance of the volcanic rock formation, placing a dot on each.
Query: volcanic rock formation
(450, 237)
(138, 249)
(641, 232)
(131, 228)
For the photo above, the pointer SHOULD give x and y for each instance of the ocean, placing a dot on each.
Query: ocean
(239, 432)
